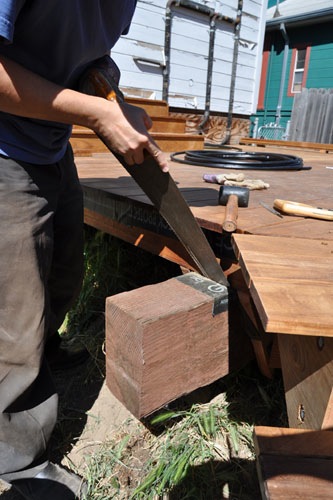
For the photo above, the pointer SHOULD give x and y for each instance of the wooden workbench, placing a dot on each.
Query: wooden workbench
(115, 204)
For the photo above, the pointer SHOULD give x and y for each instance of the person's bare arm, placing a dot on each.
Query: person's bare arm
(123, 128)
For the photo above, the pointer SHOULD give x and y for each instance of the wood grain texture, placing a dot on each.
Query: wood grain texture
(325, 148)
(292, 478)
(162, 341)
(85, 141)
(291, 282)
(293, 442)
(215, 129)
(105, 174)
(307, 368)
(294, 464)
(327, 423)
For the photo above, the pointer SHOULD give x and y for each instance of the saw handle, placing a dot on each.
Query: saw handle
(231, 214)
(303, 210)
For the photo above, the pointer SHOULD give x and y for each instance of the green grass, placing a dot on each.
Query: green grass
(202, 452)
(189, 450)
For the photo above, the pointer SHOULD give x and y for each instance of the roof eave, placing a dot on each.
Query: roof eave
(321, 16)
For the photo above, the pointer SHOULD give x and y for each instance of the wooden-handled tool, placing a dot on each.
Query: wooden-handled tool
(303, 210)
(232, 197)
(160, 187)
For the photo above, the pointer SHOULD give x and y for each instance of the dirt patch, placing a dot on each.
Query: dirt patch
(105, 419)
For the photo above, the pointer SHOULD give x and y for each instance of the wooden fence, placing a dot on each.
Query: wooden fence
(312, 116)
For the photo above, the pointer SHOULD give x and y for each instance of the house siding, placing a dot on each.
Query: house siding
(189, 55)
(320, 70)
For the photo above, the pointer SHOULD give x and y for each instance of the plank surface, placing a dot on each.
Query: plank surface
(294, 464)
(85, 142)
(310, 186)
(289, 478)
(288, 144)
(293, 442)
(291, 282)
(307, 368)
(292, 288)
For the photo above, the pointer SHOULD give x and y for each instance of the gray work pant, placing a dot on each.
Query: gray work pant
(41, 265)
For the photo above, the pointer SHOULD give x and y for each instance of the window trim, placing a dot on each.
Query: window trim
(295, 49)
(263, 79)
(264, 73)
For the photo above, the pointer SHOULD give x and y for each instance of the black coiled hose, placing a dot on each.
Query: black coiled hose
(239, 160)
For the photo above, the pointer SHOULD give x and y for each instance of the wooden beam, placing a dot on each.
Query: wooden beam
(166, 340)
(324, 148)
(168, 248)
(292, 442)
(307, 367)
(294, 464)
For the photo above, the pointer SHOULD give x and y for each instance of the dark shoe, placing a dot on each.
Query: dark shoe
(51, 483)
(62, 356)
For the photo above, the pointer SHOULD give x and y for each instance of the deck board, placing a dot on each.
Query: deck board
(104, 173)
(301, 271)
(291, 282)
(287, 263)
(294, 464)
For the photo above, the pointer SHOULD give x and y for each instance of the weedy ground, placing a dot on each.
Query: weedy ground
(200, 447)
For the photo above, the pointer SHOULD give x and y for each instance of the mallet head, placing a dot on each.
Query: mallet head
(242, 194)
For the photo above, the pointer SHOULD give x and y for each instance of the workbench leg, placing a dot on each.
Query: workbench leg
(307, 368)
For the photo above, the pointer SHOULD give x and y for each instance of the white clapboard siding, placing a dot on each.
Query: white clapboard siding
(189, 54)
(190, 35)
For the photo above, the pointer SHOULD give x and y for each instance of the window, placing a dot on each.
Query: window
(298, 70)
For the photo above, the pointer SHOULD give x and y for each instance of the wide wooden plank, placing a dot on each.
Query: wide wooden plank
(289, 478)
(294, 464)
(307, 367)
(291, 282)
(310, 186)
(288, 144)
(299, 308)
(293, 442)
(85, 142)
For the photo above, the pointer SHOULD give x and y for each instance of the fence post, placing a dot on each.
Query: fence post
(255, 128)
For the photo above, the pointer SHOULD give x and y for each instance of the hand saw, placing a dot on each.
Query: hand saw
(163, 192)
(159, 186)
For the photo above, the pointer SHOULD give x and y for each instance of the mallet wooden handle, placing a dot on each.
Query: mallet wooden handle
(303, 210)
(231, 214)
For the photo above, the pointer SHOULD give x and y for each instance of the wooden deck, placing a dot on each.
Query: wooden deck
(291, 286)
(115, 203)
(286, 284)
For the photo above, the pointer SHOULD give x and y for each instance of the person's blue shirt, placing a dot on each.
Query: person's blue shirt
(57, 39)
